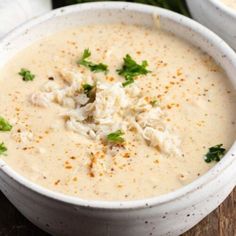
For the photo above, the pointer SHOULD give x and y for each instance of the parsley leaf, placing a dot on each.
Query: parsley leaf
(90, 91)
(87, 88)
(116, 137)
(26, 75)
(215, 153)
(85, 55)
(154, 102)
(93, 67)
(5, 125)
(131, 69)
(98, 67)
(3, 149)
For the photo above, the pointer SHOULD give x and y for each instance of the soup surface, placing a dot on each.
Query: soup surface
(132, 120)
(230, 3)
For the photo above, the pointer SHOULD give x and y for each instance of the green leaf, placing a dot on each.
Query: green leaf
(98, 67)
(154, 102)
(3, 149)
(87, 88)
(131, 69)
(129, 80)
(215, 153)
(116, 137)
(26, 75)
(85, 55)
(93, 67)
(5, 125)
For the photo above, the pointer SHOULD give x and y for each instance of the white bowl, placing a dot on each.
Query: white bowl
(216, 16)
(170, 214)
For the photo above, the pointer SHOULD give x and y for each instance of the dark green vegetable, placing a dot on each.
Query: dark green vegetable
(5, 125)
(174, 5)
(154, 102)
(215, 153)
(116, 137)
(90, 91)
(87, 88)
(3, 149)
(26, 75)
(93, 67)
(131, 69)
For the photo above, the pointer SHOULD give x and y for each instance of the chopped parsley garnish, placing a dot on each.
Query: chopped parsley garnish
(116, 137)
(3, 149)
(87, 88)
(131, 69)
(154, 102)
(90, 91)
(5, 125)
(215, 153)
(86, 55)
(98, 67)
(93, 67)
(26, 75)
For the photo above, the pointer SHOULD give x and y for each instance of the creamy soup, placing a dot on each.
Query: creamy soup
(230, 3)
(114, 112)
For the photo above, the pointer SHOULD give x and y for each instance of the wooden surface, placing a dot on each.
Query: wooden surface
(222, 222)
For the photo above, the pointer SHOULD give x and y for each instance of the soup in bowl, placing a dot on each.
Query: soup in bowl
(119, 107)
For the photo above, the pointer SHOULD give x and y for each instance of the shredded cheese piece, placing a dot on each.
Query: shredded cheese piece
(113, 108)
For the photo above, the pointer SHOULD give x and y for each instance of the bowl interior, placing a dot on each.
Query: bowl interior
(126, 13)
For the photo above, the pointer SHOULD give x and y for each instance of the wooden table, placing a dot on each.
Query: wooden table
(222, 222)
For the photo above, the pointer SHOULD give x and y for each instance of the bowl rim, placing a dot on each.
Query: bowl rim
(229, 158)
(224, 8)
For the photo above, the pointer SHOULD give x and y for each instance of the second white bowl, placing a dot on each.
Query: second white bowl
(217, 17)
